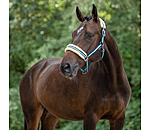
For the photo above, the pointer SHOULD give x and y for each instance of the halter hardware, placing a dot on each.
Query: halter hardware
(82, 54)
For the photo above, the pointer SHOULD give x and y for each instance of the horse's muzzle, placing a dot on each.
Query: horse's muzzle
(68, 70)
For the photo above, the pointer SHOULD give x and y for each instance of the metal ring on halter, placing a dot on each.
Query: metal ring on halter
(86, 58)
(84, 72)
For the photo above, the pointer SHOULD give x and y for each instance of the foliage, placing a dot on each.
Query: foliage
(15, 114)
(41, 29)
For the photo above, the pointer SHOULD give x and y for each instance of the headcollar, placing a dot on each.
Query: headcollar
(77, 50)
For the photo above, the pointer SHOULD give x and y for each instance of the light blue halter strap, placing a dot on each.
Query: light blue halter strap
(83, 54)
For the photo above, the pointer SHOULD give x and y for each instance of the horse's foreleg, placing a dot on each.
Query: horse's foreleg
(48, 121)
(32, 117)
(118, 123)
(32, 110)
(90, 121)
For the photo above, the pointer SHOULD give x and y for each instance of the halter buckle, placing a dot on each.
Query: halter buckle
(103, 33)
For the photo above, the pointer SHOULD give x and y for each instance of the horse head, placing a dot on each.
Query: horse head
(84, 39)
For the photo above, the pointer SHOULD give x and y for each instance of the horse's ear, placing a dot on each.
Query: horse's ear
(94, 13)
(80, 16)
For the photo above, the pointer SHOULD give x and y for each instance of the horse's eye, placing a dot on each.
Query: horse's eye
(88, 35)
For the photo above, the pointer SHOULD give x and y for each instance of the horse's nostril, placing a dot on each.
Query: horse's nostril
(68, 70)
(67, 67)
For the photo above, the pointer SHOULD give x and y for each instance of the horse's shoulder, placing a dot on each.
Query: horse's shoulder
(42, 66)
(48, 62)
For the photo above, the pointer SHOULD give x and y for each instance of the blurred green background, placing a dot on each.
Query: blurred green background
(42, 28)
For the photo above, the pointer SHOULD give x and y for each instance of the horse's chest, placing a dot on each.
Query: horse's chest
(63, 101)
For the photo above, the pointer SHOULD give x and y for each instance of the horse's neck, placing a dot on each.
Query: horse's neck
(114, 51)
(112, 61)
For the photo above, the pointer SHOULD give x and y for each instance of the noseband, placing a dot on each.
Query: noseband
(82, 54)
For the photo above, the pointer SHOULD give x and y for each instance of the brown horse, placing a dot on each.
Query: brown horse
(56, 88)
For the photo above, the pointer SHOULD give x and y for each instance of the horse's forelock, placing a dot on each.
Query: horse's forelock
(88, 17)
